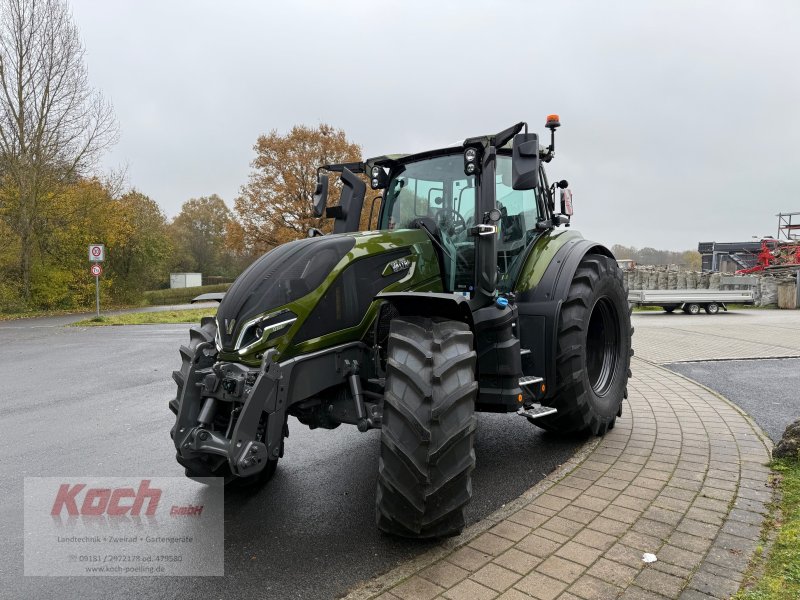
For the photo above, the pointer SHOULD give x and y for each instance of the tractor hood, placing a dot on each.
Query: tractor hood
(313, 293)
(279, 277)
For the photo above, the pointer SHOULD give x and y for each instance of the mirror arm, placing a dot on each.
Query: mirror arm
(501, 139)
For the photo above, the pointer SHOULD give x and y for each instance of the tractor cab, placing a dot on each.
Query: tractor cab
(436, 195)
(482, 204)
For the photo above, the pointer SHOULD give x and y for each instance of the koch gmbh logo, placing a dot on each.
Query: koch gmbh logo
(123, 526)
(77, 499)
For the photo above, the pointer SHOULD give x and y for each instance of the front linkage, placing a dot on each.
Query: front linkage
(231, 419)
(250, 394)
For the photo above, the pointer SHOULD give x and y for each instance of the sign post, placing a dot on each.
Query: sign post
(97, 254)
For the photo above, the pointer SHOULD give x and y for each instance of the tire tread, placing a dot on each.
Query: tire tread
(424, 481)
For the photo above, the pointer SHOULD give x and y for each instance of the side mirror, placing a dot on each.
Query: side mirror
(525, 162)
(320, 195)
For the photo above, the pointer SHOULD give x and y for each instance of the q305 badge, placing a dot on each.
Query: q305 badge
(401, 264)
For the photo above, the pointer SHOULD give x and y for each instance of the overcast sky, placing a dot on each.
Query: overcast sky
(680, 120)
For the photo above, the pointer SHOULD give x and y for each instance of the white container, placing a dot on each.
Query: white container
(185, 280)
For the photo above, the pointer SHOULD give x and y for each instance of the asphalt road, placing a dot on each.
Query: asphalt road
(94, 402)
(767, 389)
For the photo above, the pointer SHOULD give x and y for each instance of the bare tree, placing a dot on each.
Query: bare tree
(53, 125)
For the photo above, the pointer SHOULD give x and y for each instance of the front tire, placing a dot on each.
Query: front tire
(593, 350)
(426, 459)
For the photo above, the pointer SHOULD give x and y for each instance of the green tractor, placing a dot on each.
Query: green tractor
(469, 296)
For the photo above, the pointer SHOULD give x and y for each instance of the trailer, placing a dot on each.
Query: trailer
(691, 301)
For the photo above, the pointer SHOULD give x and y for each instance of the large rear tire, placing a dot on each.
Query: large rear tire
(199, 335)
(593, 354)
(426, 459)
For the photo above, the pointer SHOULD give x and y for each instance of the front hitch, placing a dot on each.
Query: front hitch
(244, 452)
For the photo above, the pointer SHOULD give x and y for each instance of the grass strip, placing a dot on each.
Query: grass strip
(780, 571)
(181, 295)
(192, 315)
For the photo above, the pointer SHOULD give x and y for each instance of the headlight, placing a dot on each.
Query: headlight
(265, 328)
(377, 178)
(471, 166)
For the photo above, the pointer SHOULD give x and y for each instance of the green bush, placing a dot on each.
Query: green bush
(52, 288)
(10, 298)
(181, 295)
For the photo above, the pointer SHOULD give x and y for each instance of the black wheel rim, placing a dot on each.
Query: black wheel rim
(602, 346)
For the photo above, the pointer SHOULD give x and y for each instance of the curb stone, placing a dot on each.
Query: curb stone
(384, 582)
(683, 477)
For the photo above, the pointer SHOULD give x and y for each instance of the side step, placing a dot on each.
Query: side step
(524, 351)
(530, 381)
(536, 411)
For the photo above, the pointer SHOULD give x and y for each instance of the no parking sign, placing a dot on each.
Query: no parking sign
(97, 252)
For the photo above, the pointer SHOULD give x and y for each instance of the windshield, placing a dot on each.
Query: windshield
(438, 192)
(426, 188)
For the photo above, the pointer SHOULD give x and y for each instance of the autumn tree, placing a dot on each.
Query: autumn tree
(133, 228)
(53, 125)
(692, 259)
(138, 257)
(199, 235)
(275, 205)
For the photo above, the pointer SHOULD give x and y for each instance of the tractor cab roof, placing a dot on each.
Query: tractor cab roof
(389, 160)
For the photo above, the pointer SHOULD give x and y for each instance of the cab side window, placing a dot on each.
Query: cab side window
(519, 214)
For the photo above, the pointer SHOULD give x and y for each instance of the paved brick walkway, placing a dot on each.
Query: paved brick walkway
(682, 476)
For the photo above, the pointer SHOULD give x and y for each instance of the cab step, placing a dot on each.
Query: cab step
(536, 411)
(530, 380)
